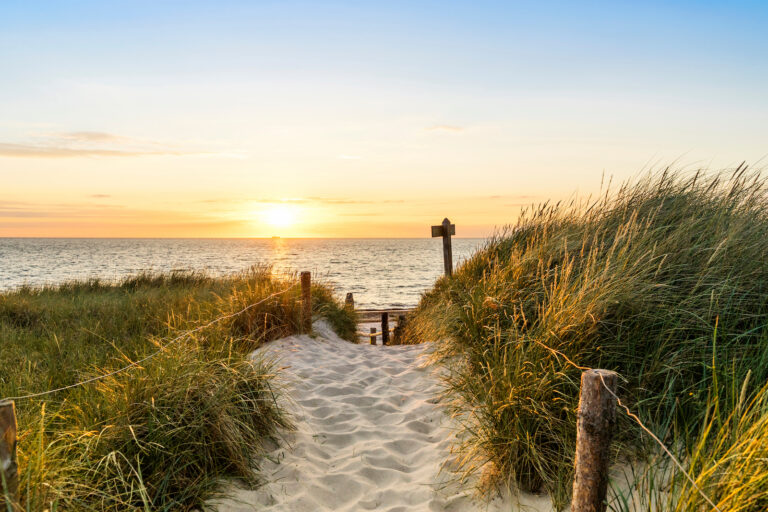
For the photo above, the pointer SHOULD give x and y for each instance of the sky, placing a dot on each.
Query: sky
(358, 119)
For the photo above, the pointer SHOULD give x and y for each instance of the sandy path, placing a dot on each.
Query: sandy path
(370, 434)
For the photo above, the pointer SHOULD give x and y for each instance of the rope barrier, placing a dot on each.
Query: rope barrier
(153, 354)
(639, 422)
(369, 334)
(663, 447)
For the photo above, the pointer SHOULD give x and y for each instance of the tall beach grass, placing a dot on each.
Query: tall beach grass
(160, 435)
(664, 280)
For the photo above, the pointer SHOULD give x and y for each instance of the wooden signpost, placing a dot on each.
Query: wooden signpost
(445, 230)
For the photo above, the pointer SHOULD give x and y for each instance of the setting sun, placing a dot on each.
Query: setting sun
(279, 216)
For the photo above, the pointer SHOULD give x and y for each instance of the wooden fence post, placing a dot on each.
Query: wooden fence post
(399, 328)
(385, 328)
(445, 230)
(9, 476)
(349, 303)
(306, 300)
(373, 335)
(594, 430)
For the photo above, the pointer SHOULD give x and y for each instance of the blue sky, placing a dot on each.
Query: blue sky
(439, 105)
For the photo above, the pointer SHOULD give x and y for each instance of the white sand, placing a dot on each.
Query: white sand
(370, 435)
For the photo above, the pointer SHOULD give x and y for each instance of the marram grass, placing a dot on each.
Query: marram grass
(662, 280)
(161, 435)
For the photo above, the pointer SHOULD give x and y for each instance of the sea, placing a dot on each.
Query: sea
(380, 272)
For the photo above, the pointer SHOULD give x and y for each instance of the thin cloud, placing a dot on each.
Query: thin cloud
(444, 128)
(349, 157)
(39, 151)
(18, 209)
(86, 136)
(520, 197)
(76, 144)
(100, 196)
(302, 200)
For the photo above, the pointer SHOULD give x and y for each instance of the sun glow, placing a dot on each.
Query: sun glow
(279, 216)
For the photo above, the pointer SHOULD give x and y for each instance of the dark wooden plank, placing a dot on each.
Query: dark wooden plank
(8, 463)
(306, 299)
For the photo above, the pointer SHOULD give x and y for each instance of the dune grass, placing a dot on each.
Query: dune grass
(161, 435)
(664, 281)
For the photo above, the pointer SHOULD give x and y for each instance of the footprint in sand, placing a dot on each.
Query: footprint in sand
(370, 435)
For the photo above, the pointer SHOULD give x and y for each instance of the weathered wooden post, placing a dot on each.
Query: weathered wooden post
(385, 328)
(594, 430)
(349, 303)
(445, 230)
(399, 328)
(306, 301)
(373, 335)
(9, 475)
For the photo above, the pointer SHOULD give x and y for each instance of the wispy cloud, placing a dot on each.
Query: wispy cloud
(302, 200)
(444, 128)
(43, 151)
(100, 196)
(520, 197)
(86, 136)
(74, 144)
(20, 209)
(349, 157)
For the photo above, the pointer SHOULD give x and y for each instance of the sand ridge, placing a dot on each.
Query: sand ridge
(370, 434)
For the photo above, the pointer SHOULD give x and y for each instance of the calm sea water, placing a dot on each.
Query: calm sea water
(380, 272)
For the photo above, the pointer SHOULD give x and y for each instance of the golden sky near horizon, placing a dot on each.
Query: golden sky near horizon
(295, 119)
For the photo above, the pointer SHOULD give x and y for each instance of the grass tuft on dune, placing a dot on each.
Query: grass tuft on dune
(663, 280)
(161, 435)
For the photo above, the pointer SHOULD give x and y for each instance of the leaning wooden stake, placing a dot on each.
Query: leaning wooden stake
(373, 335)
(594, 430)
(306, 301)
(385, 328)
(9, 476)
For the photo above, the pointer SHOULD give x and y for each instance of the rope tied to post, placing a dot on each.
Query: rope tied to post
(173, 341)
(369, 334)
(636, 419)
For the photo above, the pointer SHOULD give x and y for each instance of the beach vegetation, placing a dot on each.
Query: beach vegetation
(196, 407)
(663, 280)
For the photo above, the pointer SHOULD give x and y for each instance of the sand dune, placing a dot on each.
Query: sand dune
(370, 435)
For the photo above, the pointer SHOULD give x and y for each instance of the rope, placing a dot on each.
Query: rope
(153, 354)
(369, 334)
(658, 441)
(639, 422)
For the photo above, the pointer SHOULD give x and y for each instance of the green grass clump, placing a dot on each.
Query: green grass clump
(160, 435)
(661, 281)
(727, 457)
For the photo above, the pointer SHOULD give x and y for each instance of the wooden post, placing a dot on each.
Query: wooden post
(349, 303)
(385, 328)
(399, 328)
(594, 430)
(9, 475)
(373, 335)
(306, 300)
(445, 230)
